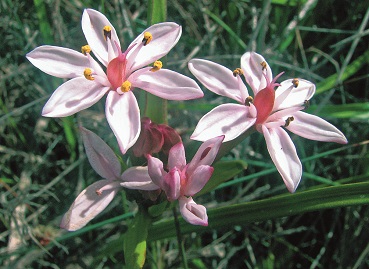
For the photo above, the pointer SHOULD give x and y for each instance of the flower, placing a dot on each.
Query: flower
(269, 111)
(182, 181)
(124, 72)
(96, 197)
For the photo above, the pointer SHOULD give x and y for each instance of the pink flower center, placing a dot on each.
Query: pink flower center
(264, 100)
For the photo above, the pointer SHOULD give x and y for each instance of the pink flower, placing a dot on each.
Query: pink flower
(181, 180)
(269, 111)
(124, 72)
(96, 197)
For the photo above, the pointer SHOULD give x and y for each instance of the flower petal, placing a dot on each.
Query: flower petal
(59, 62)
(287, 95)
(177, 157)
(256, 75)
(156, 170)
(283, 153)
(315, 128)
(123, 115)
(191, 212)
(166, 84)
(101, 157)
(218, 79)
(230, 120)
(73, 96)
(197, 180)
(89, 204)
(93, 23)
(165, 37)
(172, 184)
(138, 178)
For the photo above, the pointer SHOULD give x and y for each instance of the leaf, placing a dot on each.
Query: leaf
(357, 111)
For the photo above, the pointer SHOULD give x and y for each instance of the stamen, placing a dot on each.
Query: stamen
(263, 65)
(86, 49)
(126, 86)
(98, 192)
(147, 38)
(107, 32)
(156, 66)
(288, 121)
(249, 100)
(306, 104)
(88, 74)
(237, 71)
(295, 82)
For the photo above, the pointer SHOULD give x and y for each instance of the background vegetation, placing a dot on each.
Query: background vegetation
(43, 165)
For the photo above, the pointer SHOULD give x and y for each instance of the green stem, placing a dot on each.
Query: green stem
(179, 239)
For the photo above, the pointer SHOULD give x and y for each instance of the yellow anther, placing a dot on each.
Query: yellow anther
(147, 38)
(88, 74)
(126, 86)
(263, 65)
(86, 49)
(288, 121)
(156, 66)
(107, 32)
(237, 71)
(249, 100)
(295, 82)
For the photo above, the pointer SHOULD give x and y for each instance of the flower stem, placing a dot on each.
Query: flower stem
(179, 239)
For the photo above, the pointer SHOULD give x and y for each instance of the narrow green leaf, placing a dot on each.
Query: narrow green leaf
(357, 111)
(270, 208)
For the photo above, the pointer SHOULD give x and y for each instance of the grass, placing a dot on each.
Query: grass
(43, 165)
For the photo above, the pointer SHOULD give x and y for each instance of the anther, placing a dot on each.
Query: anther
(237, 71)
(86, 49)
(88, 74)
(107, 32)
(98, 192)
(156, 66)
(249, 100)
(306, 104)
(126, 86)
(147, 38)
(263, 65)
(295, 82)
(288, 121)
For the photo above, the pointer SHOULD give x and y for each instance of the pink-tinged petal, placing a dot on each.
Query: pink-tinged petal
(165, 37)
(59, 62)
(197, 180)
(315, 128)
(191, 212)
(177, 157)
(156, 170)
(138, 178)
(166, 84)
(218, 79)
(172, 184)
(73, 96)
(253, 69)
(283, 153)
(123, 115)
(287, 95)
(230, 120)
(206, 153)
(89, 204)
(93, 23)
(101, 157)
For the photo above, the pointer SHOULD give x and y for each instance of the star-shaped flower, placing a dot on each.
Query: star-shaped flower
(124, 72)
(269, 111)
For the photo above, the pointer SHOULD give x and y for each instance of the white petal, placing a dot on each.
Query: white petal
(315, 128)
(287, 95)
(165, 37)
(283, 153)
(88, 204)
(59, 62)
(197, 180)
(156, 170)
(138, 178)
(230, 120)
(166, 84)
(177, 157)
(191, 212)
(101, 157)
(73, 96)
(218, 79)
(256, 76)
(93, 23)
(123, 115)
